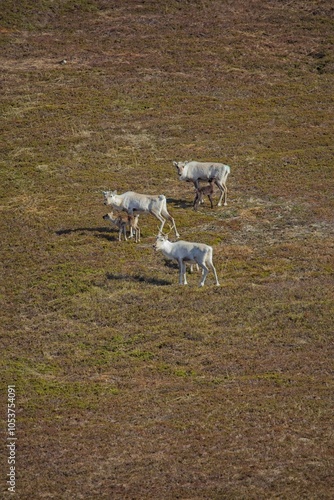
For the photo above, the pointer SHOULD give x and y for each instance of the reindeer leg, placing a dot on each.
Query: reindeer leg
(161, 219)
(195, 202)
(183, 277)
(173, 225)
(222, 192)
(214, 272)
(130, 214)
(225, 195)
(205, 271)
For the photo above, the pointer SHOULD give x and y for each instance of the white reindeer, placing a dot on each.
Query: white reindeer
(196, 171)
(186, 251)
(122, 221)
(130, 201)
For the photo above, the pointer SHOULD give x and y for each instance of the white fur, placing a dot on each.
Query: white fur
(131, 201)
(195, 171)
(186, 251)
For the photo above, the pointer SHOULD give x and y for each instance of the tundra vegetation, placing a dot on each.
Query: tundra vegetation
(128, 385)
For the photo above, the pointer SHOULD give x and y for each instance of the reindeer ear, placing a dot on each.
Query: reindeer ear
(175, 163)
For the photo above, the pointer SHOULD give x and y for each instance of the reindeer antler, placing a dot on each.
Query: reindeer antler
(165, 235)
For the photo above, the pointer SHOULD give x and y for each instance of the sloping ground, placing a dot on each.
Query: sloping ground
(127, 385)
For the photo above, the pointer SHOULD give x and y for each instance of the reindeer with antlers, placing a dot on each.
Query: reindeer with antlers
(186, 251)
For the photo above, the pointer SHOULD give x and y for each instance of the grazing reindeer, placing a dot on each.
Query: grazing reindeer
(195, 171)
(122, 221)
(201, 191)
(185, 251)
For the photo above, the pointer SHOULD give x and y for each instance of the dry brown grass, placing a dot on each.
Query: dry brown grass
(129, 386)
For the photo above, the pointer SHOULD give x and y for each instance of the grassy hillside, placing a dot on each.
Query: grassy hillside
(129, 386)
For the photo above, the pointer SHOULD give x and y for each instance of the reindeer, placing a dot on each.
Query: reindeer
(122, 221)
(194, 171)
(131, 201)
(201, 191)
(185, 251)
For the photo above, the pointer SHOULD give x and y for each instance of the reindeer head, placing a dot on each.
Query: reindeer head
(180, 166)
(108, 196)
(159, 243)
(109, 216)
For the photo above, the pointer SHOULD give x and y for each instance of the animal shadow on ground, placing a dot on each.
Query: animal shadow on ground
(102, 232)
(186, 203)
(180, 203)
(138, 278)
(172, 264)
